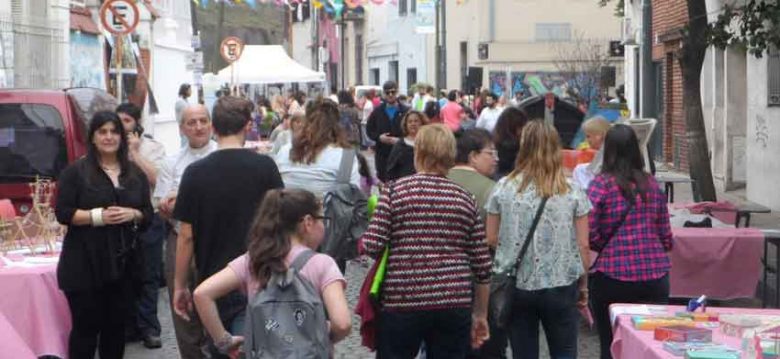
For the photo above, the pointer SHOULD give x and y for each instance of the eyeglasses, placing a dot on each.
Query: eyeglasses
(391, 92)
(325, 219)
(493, 153)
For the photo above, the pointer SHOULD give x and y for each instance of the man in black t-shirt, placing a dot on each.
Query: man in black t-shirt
(216, 204)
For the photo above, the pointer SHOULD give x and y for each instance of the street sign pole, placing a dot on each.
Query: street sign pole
(119, 17)
(231, 49)
(119, 75)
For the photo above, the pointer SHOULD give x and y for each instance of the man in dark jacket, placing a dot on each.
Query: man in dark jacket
(384, 127)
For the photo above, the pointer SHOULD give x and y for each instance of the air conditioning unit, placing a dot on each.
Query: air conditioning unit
(628, 32)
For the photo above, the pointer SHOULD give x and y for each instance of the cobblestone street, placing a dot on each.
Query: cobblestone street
(347, 349)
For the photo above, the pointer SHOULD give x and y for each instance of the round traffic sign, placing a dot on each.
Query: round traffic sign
(119, 17)
(231, 49)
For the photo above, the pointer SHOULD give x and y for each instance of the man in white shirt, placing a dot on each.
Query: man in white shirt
(489, 115)
(148, 155)
(196, 128)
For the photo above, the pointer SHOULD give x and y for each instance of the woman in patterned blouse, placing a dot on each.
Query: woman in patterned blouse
(551, 278)
(629, 227)
(436, 285)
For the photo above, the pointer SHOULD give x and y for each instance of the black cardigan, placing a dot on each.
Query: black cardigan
(94, 256)
(400, 162)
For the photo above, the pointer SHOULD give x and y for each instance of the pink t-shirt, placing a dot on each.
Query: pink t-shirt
(451, 115)
(321, 270)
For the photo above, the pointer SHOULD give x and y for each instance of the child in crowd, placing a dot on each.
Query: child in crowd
(288, 223)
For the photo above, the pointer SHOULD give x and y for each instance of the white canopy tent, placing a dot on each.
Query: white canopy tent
(267, 64)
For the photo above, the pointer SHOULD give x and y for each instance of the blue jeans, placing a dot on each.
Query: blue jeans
(151, 243)
(446, 332)
(556, 309)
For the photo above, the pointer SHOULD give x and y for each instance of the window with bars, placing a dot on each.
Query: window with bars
(773, 75)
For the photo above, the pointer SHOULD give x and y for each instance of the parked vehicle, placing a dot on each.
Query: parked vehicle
(41, 132)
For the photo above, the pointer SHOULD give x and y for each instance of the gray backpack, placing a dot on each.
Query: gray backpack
(346, 208)
(287, 319)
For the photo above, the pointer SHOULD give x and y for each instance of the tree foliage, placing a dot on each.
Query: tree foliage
(754, 26)
(580, 62)
(619, 8)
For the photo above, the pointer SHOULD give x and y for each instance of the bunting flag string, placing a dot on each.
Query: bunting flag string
(333, 5)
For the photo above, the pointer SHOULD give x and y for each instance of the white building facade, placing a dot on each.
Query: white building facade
(34, 43)
(515, 43)
(170, 41)
(394, 48)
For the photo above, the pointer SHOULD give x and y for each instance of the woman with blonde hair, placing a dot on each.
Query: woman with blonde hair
(436, 285)
(400, 162)
(313, 159)
(538, 222)
(595, 130)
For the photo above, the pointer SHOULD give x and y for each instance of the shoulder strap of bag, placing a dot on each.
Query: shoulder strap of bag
(345, 169)
(530, 236)
(614, 233)
(302, 259)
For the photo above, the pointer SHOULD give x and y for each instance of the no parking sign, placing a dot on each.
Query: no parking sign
(119, 17)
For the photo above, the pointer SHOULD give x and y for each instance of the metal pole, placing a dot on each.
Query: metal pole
(647, 80)
(343, 57)
(119, 68)
(437, 48)
(443, 43)
(220, 24)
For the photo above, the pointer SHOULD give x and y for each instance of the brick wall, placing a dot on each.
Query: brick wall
(668, 17)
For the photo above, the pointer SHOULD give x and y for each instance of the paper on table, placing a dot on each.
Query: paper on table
(634, 309)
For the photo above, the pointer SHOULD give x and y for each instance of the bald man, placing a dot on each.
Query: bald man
(195, 126)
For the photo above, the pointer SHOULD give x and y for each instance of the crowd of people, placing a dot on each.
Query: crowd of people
(469, 190)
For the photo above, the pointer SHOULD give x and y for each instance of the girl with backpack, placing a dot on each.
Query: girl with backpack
(288, 223)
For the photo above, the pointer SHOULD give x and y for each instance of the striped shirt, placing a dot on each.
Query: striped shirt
(437, 244)
(637, 250)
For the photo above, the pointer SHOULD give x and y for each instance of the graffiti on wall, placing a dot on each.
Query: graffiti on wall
(563, 85)
(498, 82)
(86, 61)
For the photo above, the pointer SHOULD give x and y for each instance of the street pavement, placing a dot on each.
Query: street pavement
(350, 348)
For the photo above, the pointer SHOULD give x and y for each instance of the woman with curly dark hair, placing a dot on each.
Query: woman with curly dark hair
(288, 223)
(506, 136)
(313, 158)
(400, 163)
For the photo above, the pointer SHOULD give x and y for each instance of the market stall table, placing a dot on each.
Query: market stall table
(670, 179)
(13, 344)
(629, 343)
(723, 263)
(34, 306)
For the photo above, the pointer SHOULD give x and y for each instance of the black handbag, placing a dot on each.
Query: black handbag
(502, 285)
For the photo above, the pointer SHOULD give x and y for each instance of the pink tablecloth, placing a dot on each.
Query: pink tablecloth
(723, 263)
(36, 309)
(629, 343)
(12, 344)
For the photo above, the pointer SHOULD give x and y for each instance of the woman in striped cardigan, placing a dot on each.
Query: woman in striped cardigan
(437, 253)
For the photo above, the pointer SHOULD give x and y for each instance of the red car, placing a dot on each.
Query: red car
(41, 132)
